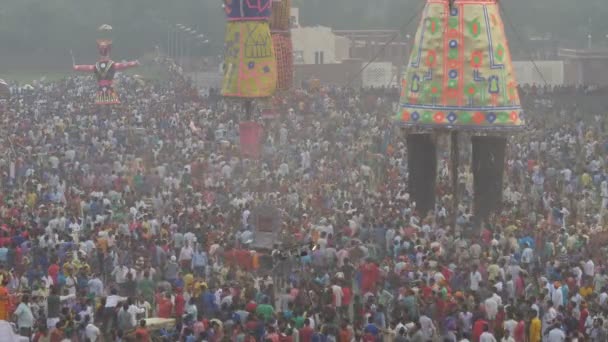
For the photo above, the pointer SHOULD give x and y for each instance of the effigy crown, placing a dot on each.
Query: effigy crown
(239, 10)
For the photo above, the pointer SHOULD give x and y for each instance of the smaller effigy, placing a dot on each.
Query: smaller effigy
(5, 90)
(5, 94)
(105, 70)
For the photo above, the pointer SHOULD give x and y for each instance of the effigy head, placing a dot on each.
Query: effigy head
(104, 46)
(242, 10)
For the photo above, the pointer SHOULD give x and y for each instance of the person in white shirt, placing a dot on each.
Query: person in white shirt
(144, 306)
(428, 328)
(474, 279)
(491, 305)
(549, 316)
(509, 327)
(603, 298)
(25, 318)
(91, 331)
(589, 268)
(245, 216)
(120, 274)
(487, 336)
(110, 308)
(185, 255)
(465, 319)
(527, 255)
(556, 335)
(338, 294)
(557, 298)
(134, 310)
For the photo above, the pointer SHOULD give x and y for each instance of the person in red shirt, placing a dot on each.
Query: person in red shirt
(164, 307)
(520, 330)
(583, 318)
(478, 328)
(370, 275)
(56, 334)
(272, 335)
(251, 307)
(306, 332)
(427, 290)
(180, 303)
(141, 333)
(54, 271)
(345, 333)
(347, 296)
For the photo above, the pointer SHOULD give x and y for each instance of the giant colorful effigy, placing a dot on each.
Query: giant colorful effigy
(459, 78)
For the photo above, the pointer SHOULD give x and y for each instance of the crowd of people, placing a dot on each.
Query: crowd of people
(113, 218)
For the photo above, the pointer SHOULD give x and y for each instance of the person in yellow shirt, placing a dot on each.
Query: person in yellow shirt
(535, 327)
(586, 180)
(4, 301)
(188, 281)
(586, 290)
(31, 199)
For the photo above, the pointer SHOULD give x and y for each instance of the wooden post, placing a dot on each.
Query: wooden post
(248, 110)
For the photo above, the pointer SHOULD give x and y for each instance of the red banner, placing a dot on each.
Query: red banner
(250, 134)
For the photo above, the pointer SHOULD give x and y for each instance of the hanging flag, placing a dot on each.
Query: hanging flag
(250, 137)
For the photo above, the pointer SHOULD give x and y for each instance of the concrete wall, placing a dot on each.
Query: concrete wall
(332, 74)
(552, 71)
(586, 71)
(379, 74)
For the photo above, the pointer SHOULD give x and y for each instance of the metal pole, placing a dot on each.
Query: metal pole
(178, 37)
(181, 48)
(176, 45)
(169, 41)
(248, 109)
(189, 51)
(455, 156)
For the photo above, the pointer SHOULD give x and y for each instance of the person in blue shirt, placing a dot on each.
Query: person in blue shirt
(189, 335)
(34, 273)
(179, 281)
(3, 255)
(17, 240)
(209, 306)
(199, 261)
(371, 328)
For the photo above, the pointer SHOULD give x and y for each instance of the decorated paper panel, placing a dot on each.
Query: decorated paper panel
(250, 67)
(460, 73)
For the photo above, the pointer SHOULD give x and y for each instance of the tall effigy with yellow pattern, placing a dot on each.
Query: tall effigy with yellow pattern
(250, 67)
(459, 78)
(460, 73)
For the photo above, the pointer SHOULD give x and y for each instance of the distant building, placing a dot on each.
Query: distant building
(585, 66)
(318, 45)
